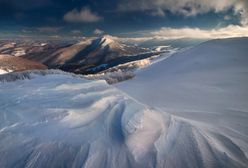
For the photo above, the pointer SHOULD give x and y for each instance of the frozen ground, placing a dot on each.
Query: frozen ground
(188, 111)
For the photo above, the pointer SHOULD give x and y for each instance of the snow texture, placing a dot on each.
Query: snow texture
(55, 119)
(2, 71)
(207, 86)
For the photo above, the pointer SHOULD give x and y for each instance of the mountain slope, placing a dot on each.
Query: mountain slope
(205, 85)
(89, 56)
(32, 49)
(85, 56)
(57, 119)
(190, 110)
(10, 63)
(97, 51)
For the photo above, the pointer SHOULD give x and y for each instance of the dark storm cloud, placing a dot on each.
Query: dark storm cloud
(115, 16)
(18, 10)
(24, 4)
(188, 7)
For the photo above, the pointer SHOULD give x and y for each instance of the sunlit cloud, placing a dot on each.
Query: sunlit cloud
(85, 15)
(195, 33)
(167, 33)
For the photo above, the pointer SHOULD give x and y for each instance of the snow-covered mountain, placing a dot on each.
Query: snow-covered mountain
(102, 52)
(10, 63)
(189, 110)
(30, 48)
(88, 56)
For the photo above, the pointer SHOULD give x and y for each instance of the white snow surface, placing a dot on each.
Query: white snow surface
(162, 48)
(59, 120)
(3, 71)
(55, 119)
(207, 86)
(19, 52)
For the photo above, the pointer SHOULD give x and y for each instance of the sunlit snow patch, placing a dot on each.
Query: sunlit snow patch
(3, 71)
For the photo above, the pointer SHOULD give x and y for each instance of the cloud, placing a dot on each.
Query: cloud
(85, 15)
(25, 4)
(76, 32)
(48, 29)
(196, 33)
(158, 12)
(167, 33)
(98, 32)
(241, 8)
(189, 7)
(227, 17)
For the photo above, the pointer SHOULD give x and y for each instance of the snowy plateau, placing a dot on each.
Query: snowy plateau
(189, 110)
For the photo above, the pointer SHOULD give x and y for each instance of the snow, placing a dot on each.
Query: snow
(205, 86)
(7, 46)
(106, 40)
(3, 71)
(162, 48)
(120, 72)
(43, 44)
(19, 52)
(128, 70)
(63, 120)
(188, 110)
(110, 41)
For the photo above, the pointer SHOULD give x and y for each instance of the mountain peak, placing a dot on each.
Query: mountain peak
(107, 39)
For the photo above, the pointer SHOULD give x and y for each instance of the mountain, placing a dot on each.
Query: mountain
(10, 63)
(93, 51)
(92, 55)
(88, 56)
(32, 48)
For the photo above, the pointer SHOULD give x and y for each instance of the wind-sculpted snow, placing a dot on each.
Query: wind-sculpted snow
(206, 86)
(59, 120)
(30, 74)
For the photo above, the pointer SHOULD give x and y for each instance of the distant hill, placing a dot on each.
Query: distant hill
(92, 55)
(10, 63)
(88, 56)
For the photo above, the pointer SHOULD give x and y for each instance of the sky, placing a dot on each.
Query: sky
(125, 18)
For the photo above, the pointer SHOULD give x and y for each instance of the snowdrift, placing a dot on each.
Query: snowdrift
(189, 111)
(206, 86)
(53, 119)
